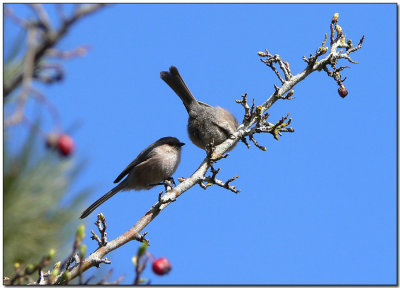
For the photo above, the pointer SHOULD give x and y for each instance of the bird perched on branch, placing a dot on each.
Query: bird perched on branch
(156, 163)
(206, 124)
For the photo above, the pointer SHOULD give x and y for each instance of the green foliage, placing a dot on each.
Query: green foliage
(34, 220)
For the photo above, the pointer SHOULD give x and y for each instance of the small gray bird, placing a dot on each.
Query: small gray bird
(206, 123)
(154, 164)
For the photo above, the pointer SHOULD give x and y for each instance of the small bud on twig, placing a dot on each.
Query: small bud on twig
(65, 275)
(51, 254)
(142, 249)
(80, 233)
(335, 17)
(83, 250)
(55, 272)
(323, 50)
(339, 30)
(29, 269)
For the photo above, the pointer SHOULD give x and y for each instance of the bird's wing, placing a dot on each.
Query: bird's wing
(224, 127)
(228, 126)
(143, 156)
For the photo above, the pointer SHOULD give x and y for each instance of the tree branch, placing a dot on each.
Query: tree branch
(254, 122)
(49, 37)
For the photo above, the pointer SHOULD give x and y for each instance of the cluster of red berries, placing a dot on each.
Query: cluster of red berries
(161, 266)
(63, 143)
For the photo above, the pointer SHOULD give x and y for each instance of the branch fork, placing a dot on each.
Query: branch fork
(101, 226)
(212, 180)
(141, 238)
(271, 59)
(42, 37)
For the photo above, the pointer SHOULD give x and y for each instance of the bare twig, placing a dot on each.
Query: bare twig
(96, 238)
(60, 11)
(42, 16)
(247, 109)
(223, 184)
(119, 280)
(211, 180)
(263, 148)
(276, 59)
(8, 12)
(77, 52)
(104, 281)
(79, 261)
(245, 142)
(141, 262)
(105, 260)
(101, 226)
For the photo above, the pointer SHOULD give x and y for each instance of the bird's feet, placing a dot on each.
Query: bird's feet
(168, 183)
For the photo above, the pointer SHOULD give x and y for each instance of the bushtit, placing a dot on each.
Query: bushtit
(206, 123)
(154, 164)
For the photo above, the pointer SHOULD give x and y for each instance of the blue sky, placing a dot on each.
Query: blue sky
(318, 207)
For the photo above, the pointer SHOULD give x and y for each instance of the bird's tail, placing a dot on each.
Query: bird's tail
(175, 81)
(100, 201)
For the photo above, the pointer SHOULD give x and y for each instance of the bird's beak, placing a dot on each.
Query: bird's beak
(181, 144)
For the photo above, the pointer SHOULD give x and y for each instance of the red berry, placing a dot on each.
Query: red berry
(342, 91)
(161, 266)
(65, 144)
